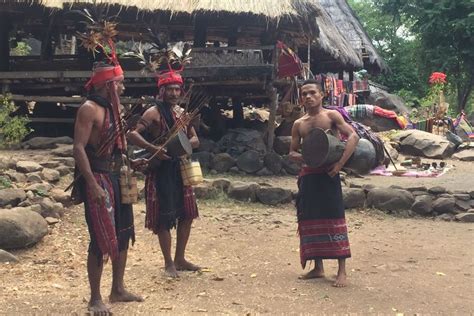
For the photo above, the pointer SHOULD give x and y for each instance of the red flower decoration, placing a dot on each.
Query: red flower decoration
(437, 78)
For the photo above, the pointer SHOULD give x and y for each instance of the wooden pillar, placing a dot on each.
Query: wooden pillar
(273, 96)
(238, 112)
(47, 49)
(351, 75)
(233, 36)
(5, 28)
(200, 31)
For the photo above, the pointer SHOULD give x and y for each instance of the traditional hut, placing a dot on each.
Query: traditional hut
(243, 55)
(350, 27)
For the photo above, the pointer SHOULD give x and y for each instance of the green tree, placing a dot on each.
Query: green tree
(445, 30)
(12, 129)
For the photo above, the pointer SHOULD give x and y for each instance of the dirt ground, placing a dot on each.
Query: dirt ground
(250, 251)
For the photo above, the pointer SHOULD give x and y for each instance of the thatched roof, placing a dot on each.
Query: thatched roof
(349, 25)
(334, 44)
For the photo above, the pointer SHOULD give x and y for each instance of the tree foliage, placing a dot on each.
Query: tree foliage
(417, 37)
(12, 129)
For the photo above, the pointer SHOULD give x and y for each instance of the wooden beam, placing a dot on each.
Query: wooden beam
(5, 27)
(51, 120)
(69, 100)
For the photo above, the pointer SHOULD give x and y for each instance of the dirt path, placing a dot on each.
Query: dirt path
(251, 251)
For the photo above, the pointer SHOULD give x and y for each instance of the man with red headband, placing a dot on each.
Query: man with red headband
(169, 203)
(98, 148)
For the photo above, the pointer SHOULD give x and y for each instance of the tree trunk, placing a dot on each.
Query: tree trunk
(464, 91)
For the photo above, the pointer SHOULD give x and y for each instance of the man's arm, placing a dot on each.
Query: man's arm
(149, 117)
(193, 138)
(352, 140)
(82, 131)
(295, 143)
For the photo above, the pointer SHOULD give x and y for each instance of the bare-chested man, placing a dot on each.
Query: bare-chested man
(320, 210)
(110, 223)
(169, 203)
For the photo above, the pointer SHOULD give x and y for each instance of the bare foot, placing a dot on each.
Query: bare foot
(124, 296)
(98, 307)
(313, 274)
(341, 280)
(171, 271)
(186, 266)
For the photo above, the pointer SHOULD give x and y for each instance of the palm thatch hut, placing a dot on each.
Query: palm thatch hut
(350, 27)
(247, 59)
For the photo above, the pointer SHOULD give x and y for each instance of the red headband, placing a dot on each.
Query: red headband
(167, 78)
(105, 74)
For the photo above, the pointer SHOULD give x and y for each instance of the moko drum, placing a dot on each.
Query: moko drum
(191, 172)
(321, 149)
(179, 145)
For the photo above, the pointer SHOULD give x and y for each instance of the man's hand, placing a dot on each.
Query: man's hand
(161, 152)
(138, 164)
(97, 193)
(334, 169)
(296, 156)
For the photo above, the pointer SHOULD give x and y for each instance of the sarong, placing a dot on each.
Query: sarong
(111, 223)
(321, 220)
(168, 201)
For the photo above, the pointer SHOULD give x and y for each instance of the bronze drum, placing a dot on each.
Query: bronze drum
(179, 145)
(320, 149)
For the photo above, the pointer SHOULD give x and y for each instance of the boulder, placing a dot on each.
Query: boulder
(11, 196)
(465, 217)
(64, 170)
(419, 143)
(423, 205)
(281, 145)
(50, 175)
(462, 196)
(243, 191)
(290, 166)
(52, 164)
(353, 198)
(462, 205)
(446, 217)
(378, 123)
(67, 161)
(250, 161)
(15, 176)
(264, 172)
(465, 155)
(28, 166)
(206, 191)
(34, 177)
(273, 196)
(420, 188)
(391, 200)
(207, 145)
(60, 196)
(444, 205)
(222, 162)
(437, 190)
(20, 228)
(239, 140)
(273, 162)
(471, 193)
(386, 100)
(39, 188)
(63, 151)
(204, 158)
(5, 257)
(46, 142)
(221, 184)
(51, 209)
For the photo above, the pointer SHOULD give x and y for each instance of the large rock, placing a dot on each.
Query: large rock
(52, 164)
(386, 100)
(64, 170)
(378, 123)
(204, 158)
(221, 184)
(15, 176)
(67, 161)
(290, 166)
(222, 162)
(63, 151)
(60, 196)
(353, 198)
(419, 143)
(242, 191)
(250, 161)
(28, 166)
(465, 155)
(5, 256)
(240, 140)
(273, 162)
(20, 228)
(423, 205)
(34, 177)
(206, 191)
(392, 200)
(273, 196)
(281, 145)
(46, 142)
(51, 209)
(207, 145)
(444, 205)
(40, 188)
(50, 175)
(11, 197)
(465, 217)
